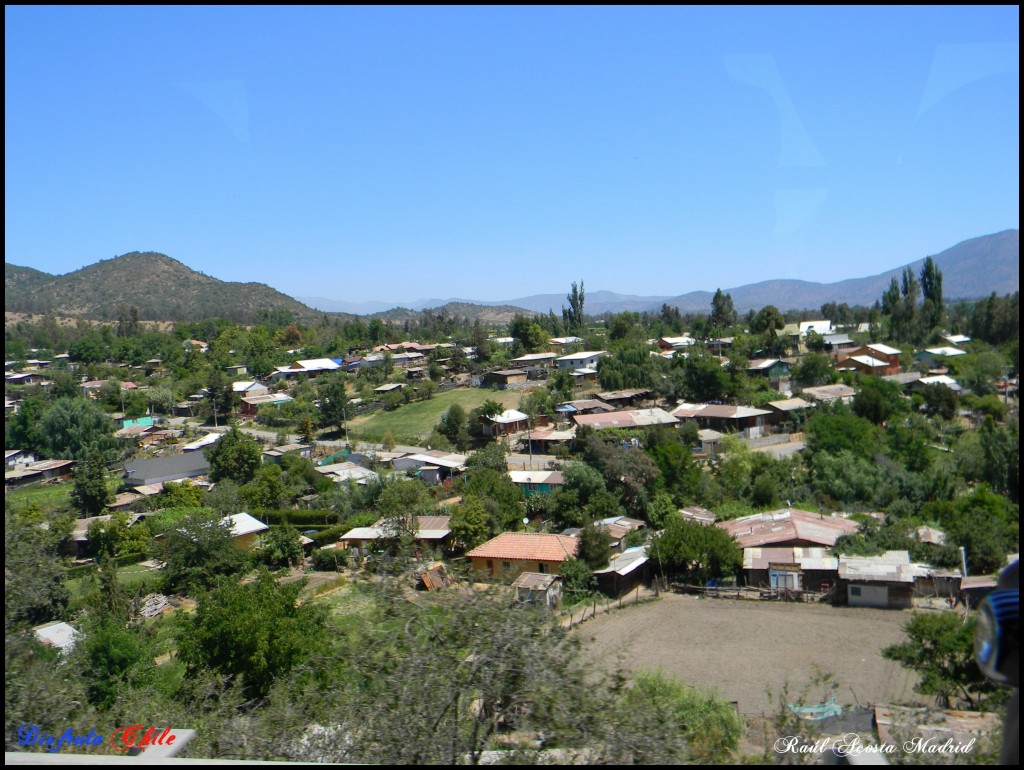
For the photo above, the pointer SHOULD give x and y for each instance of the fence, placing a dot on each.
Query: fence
(602, 604)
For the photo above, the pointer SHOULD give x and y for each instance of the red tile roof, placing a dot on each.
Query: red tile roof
(533, 546)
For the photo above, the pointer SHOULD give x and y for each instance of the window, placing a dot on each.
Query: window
(506, 566)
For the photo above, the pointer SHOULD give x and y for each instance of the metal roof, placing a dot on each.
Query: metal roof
(635, 418)
(787, 524)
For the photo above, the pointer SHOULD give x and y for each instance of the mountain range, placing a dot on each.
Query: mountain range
(971, 269)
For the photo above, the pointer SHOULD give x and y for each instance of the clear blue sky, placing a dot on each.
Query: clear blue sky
(492, 153)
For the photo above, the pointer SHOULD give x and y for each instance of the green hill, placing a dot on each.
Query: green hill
(162, 288)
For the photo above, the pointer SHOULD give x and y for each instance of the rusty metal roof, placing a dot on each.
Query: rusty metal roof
(787, 524)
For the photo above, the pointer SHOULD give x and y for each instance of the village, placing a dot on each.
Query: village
(563, 475)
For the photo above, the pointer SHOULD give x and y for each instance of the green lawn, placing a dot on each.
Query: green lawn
(410, 423)
(51, 498)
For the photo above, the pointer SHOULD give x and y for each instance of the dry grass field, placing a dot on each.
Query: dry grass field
(745, 649)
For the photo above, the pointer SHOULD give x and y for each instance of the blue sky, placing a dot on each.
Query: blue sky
(491, 153)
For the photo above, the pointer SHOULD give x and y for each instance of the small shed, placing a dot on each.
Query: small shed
(538, 588)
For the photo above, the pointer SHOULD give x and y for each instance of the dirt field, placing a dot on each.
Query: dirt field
(743, 649)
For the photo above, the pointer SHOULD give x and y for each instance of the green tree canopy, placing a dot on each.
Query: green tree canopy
(235, 456)
(254, 632)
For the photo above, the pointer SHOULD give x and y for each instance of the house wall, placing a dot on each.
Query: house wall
(510, 569)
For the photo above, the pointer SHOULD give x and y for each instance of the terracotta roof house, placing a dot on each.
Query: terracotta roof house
(511, 553)
(788, 527)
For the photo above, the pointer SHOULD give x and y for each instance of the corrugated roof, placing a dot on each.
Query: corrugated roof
(535, 581)
(890, 567)
(244, 524)
(536, 546)
(635, 418)
(762, 529)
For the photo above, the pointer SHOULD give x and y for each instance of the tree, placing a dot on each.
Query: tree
(199, 549)
(695, 551)
(333, 403)
(469, 523)
(723, 312)
(454, 426)
(90, 493)
(940, 648)
(529, 334)
(814, 369)
(34, 588)
(572, 316)
(283, 546)
(235, 456)
(254, 633)
(595, 546)
(577, 578)
(768, 321)
(74, 429)
(933, 310)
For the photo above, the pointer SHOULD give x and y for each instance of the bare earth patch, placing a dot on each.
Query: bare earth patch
(744, 649)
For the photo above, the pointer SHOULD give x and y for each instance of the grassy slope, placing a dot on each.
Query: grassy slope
(412, 422)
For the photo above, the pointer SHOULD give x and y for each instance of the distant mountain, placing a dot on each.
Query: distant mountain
(971, 269)
(142, 279)
(489, 315)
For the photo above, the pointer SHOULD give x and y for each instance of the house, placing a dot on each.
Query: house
(772, 369)
(621, 399)
(956, 339)
(792, 568)
(187, 465)
(202, 442)
(199, 345)
(306, 368)
(676, 343)
(885, 581)
(347, 471)
(39, 471)
(298, 450)
(865, 365)
(747, 421)
(542, 439)
(15, 457)
(829, 393)
(537, 482)
(251, 404)
(698, 515)
(823, 327)
(26, 378)
(625, 572)
(564, 342)
(839, 344)
(534, 359)
(933, 357)
(618, 527)
(235, 370)
(249, 388)
(538, 588)
(586, 359)
(57, 634)
(432, 466)
(504, 378)
(787, 410)
(584, 406)
(505, 424)
(431, 531)
(511, 553)
(246, 529)
(890, 355)
(634, 418)
(788, 527)
(937, 379)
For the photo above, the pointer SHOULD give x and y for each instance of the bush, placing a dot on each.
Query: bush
(329, 559)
